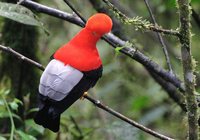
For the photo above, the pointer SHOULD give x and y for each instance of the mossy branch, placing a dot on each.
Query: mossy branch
(188, 68)
(138, 22)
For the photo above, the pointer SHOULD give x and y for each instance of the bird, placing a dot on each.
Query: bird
(75, 68)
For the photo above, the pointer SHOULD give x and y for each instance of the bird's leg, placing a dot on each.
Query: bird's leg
(83, 96)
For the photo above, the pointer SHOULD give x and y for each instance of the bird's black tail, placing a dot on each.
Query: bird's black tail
(47, 118)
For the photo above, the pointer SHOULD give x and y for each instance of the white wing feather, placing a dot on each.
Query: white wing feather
(58, 80)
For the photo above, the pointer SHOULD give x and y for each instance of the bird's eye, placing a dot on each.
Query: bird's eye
(94, 33)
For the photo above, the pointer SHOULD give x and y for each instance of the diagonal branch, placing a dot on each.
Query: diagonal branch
(21, 57)
(96, 102)
(164, 47)
(114, 41)
(171, 90)
(141, 24)
(124, 118)
(74, 10)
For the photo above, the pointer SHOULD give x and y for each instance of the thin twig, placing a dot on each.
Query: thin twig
(75, 11)
(21, 57)
(96, 102)
(124, 118)
(164, 47)
(123, 7)
(103, 118)
(149, 27)
(77, 127)
(53, 12)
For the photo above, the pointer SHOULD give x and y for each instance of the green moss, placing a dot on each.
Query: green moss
(189, 65)
(137, 21)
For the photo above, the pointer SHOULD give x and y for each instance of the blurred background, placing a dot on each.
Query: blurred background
(125, 86)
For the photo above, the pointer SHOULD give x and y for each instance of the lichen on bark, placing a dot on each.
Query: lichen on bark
(188, 68)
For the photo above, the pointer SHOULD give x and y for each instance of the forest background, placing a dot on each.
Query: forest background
(126, 86)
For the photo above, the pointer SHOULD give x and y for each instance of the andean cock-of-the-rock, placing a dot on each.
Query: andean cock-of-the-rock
(74, 69)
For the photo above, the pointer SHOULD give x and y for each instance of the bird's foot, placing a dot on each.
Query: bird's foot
(83, 96)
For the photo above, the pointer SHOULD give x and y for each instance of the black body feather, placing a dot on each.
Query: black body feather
(50, 110)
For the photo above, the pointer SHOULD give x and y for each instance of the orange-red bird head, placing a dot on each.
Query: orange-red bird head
(99, 24)
(81, 52)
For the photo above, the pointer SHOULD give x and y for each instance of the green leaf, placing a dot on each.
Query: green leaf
(14, 105)
(25, 136)
(4, 92)
(117, 50)
(1, 102)
(33, 110)
(19, 13)
(18, 101)
(2, 138)
(5, 114)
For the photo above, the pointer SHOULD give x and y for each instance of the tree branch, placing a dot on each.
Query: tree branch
(53, 12)
(149, 27)
(113, 41)
(21, 57)
(124, 118)
(74, 10)
(96, 102)
(171, 91)
(188, 68)
(164, 47)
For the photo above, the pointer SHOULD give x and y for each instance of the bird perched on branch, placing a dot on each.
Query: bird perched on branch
(74, 69)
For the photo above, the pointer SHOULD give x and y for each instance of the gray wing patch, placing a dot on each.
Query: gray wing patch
(58, 80)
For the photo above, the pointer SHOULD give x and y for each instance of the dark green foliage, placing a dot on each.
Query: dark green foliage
(19, 13)
(23, 77)
(125, 86)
